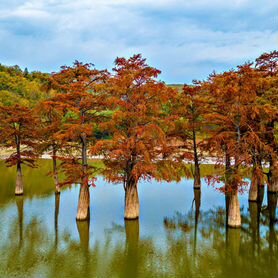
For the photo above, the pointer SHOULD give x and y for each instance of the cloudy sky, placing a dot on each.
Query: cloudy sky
(186, 39)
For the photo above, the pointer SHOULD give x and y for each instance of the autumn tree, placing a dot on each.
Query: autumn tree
(233, 111)
(50, 124)
(191, 109)
(81, 100)
(18, 131)
(267, 66)
(138, 127)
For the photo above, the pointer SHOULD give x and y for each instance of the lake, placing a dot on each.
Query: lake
(174, 237)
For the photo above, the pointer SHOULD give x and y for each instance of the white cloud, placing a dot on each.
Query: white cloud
(185, 39)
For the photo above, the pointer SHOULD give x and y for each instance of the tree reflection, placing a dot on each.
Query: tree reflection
(132, 245)
(222, 251)
(272, 204)
(56, 217)
(194, 244)
(20, 206)
(197, 199)
(83, 228)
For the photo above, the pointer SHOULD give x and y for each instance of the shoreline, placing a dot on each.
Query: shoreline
(204, 161)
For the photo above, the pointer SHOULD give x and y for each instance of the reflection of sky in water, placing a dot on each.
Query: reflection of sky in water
(157, 201)
(162, 251)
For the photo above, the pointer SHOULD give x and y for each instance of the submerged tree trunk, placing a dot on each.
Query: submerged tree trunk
(55, 171)
(131, 200)
(19, 180)
(253, 191)
(256, 180)
(227, 203)
(256, 188)
(234, 218)
(273, 177)
(83, 212)
(227, 177)
(197, 175)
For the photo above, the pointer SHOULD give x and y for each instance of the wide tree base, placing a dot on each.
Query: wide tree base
(81, 218)
(132, 206)
(19, 185)
(131, 218)
(234, 217)
(83, 212)
(253, 193)
(273, 189)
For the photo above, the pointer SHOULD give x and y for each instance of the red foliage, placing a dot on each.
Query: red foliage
(139, 121)
(19, 131)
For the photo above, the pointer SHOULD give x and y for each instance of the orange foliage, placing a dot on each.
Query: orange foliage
(139, 122)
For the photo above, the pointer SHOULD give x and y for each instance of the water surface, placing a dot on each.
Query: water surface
(175, 237)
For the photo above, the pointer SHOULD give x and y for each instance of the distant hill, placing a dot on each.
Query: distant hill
(176, 86)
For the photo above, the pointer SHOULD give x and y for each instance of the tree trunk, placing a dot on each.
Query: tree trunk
(227, 205)
(131, 200)
(83, 212)
(257, 180)
(253, 192)
(55, 172)
(84, 150)
(197, 175)
(273, 177)
(254, 189)
(227, 161)
(234, 218)
(19, 180)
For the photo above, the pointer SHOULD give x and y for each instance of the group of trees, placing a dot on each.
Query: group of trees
(138, 125)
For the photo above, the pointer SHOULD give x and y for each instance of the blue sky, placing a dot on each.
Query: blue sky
(185, 39)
